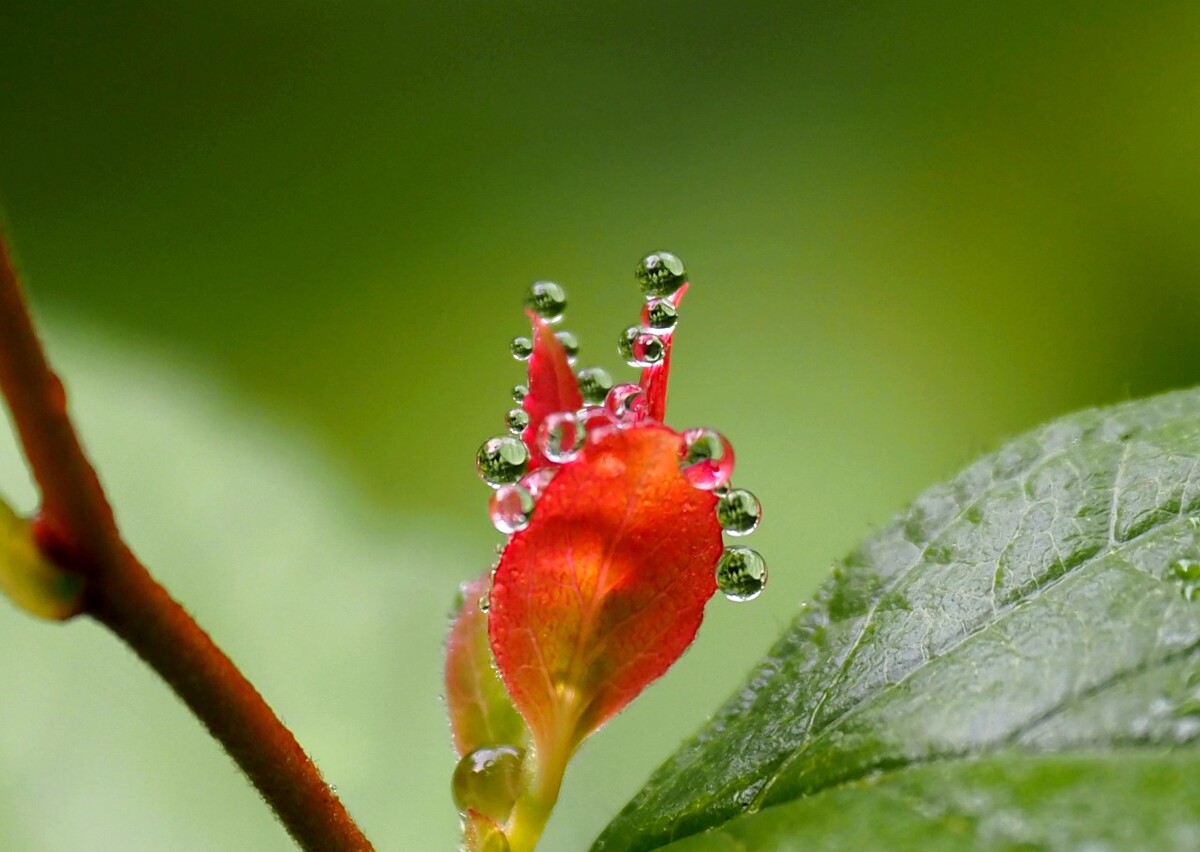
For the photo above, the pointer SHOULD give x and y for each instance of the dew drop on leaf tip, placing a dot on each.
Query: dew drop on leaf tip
(660, 316)
(660, 274)
(502, 460)
(547, 299)
(741, 574)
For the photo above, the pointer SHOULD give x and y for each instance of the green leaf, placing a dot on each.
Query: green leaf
(28, 579)
(1045, 601)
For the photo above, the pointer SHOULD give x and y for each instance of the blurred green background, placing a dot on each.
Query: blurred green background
(280, 249)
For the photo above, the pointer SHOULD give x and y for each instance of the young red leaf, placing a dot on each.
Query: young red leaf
(607, 588)
(481, 713)
(552, 386)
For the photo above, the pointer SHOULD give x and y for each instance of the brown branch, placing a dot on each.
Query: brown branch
(77, 529)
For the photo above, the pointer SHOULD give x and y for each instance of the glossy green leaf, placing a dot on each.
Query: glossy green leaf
(1046, 600)
(28, 579)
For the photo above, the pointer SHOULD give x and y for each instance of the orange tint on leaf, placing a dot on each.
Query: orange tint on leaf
(553, 386)
(481, 713)
(606, 587)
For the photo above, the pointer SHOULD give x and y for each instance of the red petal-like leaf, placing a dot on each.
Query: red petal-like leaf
(553, 386)
(655, 377)
(481, 713)
(606, 587)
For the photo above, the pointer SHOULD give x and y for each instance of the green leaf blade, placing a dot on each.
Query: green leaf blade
(1040, 601)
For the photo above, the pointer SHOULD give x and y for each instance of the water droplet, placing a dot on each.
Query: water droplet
(517, 419)
(510, 508)
(741, 574)
(547, 299)
(594, 384)
(625, 342)
(522, 348)
(560, 437)
(485, 602)
(626, 403)
(660, 316)
(1186, 573)
(739, 512)
(535, 483)
(646, 350)
(660, 274)
(488, 780)
(707, 458)
(519, 392)
(502, 460)
(570, 343)
(595, 421)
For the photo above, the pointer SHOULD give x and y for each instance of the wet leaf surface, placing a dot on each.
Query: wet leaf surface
(1045, 601)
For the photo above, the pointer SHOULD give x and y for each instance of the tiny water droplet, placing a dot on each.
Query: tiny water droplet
(519, 392)
(739, 512)
(659, 316)
(547, 299)
(741, 574)
(594, 384)
(517, 419)
(570, 343)
(535, 483)
(626, 403)
(707, 458)
(646, 350)
(488, 780)
(333, 788)
(502, 460)
(560, 437)
(522, 348)
(660, 274)
(595, 421)
(485, 602)
(510, 508)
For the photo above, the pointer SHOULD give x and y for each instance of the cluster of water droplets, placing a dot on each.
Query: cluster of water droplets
(707, 460)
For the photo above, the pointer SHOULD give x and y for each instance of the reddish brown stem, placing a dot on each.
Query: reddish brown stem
(76, 527)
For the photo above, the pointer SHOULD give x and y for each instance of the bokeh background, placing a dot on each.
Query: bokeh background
(279, 249)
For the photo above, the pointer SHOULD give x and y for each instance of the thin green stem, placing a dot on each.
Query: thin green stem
(76, 528)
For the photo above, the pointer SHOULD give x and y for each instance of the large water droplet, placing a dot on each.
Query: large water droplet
(560, 437)
(502, 460)
(626, 403)
(594, 384)
(535, 483)
(570, 343)
(647, 350)
(659, 316)
(547, 299)
(739, 512)
(517, 419)
(510, 508)
(741, 574)
(488, 780)
(660, 274)
(707, 458)
(522, 348)
(519, 392)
